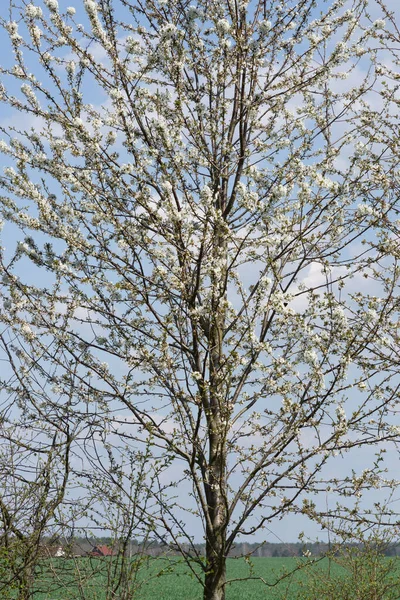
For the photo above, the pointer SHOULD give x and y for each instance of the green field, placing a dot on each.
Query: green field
(88, 579)
(153, 581)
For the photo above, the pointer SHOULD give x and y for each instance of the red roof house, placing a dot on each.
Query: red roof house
(102, 551)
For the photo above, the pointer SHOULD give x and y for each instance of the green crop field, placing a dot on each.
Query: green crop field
(168, 579)
(154, 581)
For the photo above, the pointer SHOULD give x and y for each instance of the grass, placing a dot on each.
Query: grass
(169, 579)
(161, 579)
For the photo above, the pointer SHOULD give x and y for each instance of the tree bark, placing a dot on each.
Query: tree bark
(215, 580)
(215, 577)
(25, 590)
(218, 415)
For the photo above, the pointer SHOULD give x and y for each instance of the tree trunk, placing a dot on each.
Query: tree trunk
(216, 494)
(215, 580)
(215, 577)
(25, 585)
(217, 416)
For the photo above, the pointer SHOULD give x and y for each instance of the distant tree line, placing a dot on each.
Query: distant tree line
(83, 545)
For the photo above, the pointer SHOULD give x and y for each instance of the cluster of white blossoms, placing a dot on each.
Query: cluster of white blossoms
(341, 426)
(12, 28)
(340, 318)
(97, 28)
(223, 26)
(132, 45)
(51, 5)
(91, 6)
(194, 12)
(70, 67)
(264, 26)
(33, 12)
(27, 331)
(168, 31)
(310, 357)
(197, 376)
(4, 147)
(36, 34)
(371, 315)
(249, 199)
(364, 210)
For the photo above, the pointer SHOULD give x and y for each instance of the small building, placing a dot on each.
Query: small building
(99, 551)
(51, 551)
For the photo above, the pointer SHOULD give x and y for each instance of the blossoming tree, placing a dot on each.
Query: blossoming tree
(207, 201)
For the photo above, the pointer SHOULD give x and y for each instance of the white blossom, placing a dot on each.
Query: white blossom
(310, 356)
(27, 331)
(51, 4)
(12, 27)
(132, 45)
(71, 67)
(341, 424)
(223, 26)
(364, 210)
(91, 6)
(168, 31)
(264, 26)
(340, 316)
(33, 12)
(371, 315)
(194, 13)
(36, 34)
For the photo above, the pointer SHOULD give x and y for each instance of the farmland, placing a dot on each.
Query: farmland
(162, 579)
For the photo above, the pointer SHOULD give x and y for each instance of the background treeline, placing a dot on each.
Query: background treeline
(81, 546)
